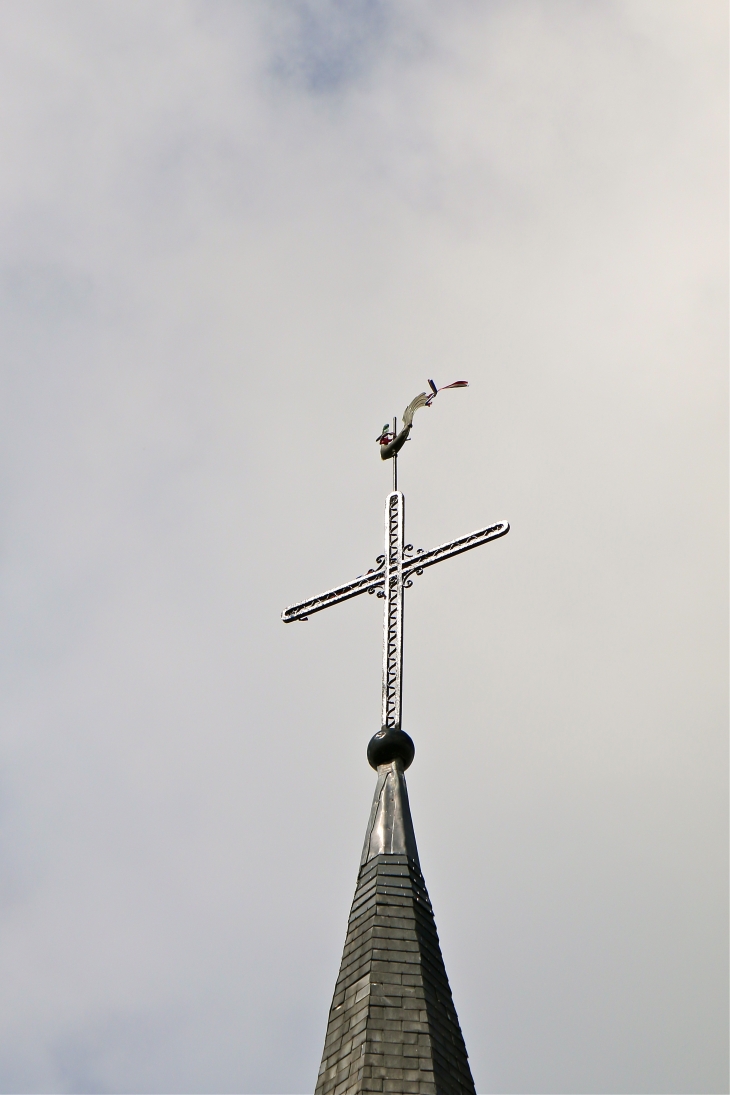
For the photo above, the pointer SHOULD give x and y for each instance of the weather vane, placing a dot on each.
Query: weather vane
(391, 576)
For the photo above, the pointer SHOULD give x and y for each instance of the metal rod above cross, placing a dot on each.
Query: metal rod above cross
(394, 570)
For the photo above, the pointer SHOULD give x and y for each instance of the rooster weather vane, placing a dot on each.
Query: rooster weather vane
(391, 576)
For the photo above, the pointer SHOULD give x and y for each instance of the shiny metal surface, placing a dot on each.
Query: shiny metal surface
(389, 579)
(374, 580)
(390, 828)
(395, 512)
(417, 564)
(366, 583)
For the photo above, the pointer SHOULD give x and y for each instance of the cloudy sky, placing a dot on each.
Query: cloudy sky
(237, 237)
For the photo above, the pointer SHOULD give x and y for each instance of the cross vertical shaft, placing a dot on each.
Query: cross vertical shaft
(395, 507)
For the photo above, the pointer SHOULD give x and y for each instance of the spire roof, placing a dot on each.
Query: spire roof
(392, 1025)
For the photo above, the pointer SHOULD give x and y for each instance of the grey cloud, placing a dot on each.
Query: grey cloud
(324, 47)
(236, 239)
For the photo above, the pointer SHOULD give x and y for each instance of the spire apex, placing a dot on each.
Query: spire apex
(390, 828)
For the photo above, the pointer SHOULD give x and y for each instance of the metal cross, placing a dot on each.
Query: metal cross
(395, 569)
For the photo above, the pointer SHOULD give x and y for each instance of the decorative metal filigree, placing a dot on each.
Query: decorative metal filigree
(388, 579)
(423, 559)
(366, 583)
(395, 505)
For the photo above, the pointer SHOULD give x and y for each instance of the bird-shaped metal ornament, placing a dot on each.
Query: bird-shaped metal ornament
(390, 442)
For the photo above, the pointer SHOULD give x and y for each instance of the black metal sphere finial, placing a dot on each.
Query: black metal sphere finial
(390, 744)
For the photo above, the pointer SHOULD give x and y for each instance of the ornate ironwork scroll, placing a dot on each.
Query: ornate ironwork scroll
(392, 575)
(417, 563)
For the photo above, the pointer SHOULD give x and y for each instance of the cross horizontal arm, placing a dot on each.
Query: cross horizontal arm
(366, 583)
(417, 563)
(374, 580)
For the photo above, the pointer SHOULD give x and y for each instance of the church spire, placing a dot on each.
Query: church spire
(392, 1025)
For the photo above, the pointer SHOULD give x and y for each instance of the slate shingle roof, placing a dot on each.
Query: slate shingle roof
(392, 1025)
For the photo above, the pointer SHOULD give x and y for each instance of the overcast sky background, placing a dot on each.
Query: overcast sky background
(236, 239)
